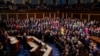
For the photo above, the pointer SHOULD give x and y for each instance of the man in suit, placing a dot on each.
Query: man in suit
(24, 40)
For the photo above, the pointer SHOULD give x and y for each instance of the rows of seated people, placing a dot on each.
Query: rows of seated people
(54, 25)
(76, 45)
(57, 31)
(28, 6)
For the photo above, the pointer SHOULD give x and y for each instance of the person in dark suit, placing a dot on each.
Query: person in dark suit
(46, 35)
(24, 40)
(39, 34)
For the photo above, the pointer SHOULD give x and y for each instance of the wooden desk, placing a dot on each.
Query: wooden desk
(95, 39)
(15, 44)
(33, 45)
(47, 52)
(49, 49)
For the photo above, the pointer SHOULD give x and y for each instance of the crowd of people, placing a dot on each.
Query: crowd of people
(71, 36)
(51, 7)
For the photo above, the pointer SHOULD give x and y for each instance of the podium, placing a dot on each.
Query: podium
(14, 45)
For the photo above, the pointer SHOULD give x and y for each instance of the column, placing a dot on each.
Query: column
(88, 17)
(71, 15)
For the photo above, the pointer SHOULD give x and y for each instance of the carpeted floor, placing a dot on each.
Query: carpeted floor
(55, 51)
(23, 52)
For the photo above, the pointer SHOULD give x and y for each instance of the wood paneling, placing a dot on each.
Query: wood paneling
(12, 16)
(31, 16)
(4, 16)
(39, 15)
(85, 16)
(46, 15)
(95, 17)
(64, 15)
(57, 14)
(76, 16)
(52, 15)
(22, 16)
(68, 15)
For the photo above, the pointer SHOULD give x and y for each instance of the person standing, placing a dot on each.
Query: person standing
(24, 40)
